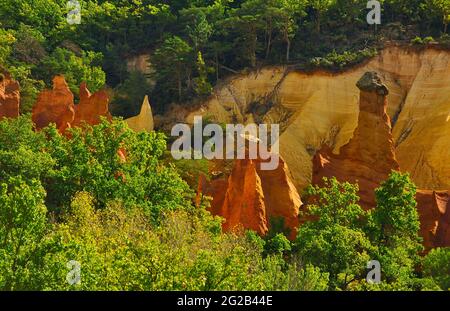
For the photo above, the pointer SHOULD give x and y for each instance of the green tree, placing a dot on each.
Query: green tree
(197, 26)
(75, 69)
(173, 62)
(22, 226)
(320, 8)
(334, 241)
(393, 225)
(202, 86)
(443, 7)
(436, 265)
(246, 23)
(128, 95)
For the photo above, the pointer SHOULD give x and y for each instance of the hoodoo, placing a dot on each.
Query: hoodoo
(254, 199)
(369, 157)
(55, 106)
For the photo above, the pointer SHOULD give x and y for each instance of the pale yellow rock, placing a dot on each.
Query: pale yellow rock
(144, 120)
(321, 107)
(422, 132)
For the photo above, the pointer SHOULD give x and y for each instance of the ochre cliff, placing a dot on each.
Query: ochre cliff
(9, 96)
(322, 107)
(368, 158)
(330, 128)
(252, 198)
(434, 211)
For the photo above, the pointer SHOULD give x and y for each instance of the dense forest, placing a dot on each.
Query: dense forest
(133, 224)
(195, 43)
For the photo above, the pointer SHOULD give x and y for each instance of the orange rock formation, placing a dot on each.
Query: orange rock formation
(368, 158)
(9, 96)
(91, 107)
(55, 106)
(434, 211)
(254, 199)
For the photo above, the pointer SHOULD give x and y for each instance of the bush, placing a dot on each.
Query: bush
(335, 60)
(436, 265)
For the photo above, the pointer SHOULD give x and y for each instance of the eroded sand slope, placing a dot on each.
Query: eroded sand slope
(322, 108)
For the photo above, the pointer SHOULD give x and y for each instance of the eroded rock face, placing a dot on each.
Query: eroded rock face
(323, 107)
(9, 96)
(368, 158)
(254, 199)
(55, 106)
(434, 212)
(91, 107)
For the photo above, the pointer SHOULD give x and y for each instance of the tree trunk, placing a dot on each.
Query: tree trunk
(318, 22)
(269, 40)
(253, 52)
(179, 87)
(288, 48)
(216, 56)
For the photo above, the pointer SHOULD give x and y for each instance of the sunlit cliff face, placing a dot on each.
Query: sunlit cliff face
(321, 108)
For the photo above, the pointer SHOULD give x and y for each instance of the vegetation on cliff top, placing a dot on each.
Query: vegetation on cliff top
(193, 43)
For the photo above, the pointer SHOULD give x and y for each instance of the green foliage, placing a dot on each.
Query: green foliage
(75, 69)
(22, 225)
(420, 41)
(335, 242)
(7, 38)
(334, 60)
(436, 265)
(128, 95)
(201, 85)
(90, 161)
(278, 244)
(417, 40)
(395, 215)
(118, 250)
(394, 227)
(443, 7)
(173, 64)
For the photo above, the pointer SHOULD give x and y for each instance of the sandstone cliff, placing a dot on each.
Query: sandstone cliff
(434, 211)
(368, 158)
(328, 129)
(322, 107)
(9, 96)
